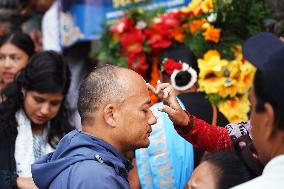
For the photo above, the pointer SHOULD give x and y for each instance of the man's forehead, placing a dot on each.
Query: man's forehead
(139, 98)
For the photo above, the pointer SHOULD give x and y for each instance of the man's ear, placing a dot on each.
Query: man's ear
(109, 114)
(269, 121)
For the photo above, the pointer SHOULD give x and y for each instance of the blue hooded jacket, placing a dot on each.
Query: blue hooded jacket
(82, 161)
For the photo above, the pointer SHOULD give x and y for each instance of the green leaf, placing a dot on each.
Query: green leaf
(215, 99)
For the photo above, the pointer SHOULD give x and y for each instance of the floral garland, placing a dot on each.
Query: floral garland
(210, 28)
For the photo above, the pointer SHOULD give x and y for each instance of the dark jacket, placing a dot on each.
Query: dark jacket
(8, 174)
(82, 161)
(196, 104)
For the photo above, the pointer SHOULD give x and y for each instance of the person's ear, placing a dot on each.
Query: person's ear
(269, 121)
(109, 114)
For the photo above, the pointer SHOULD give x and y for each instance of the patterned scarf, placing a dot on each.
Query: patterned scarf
(25, 146)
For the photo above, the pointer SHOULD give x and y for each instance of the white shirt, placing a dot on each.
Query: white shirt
(271, 178)
(50, 29)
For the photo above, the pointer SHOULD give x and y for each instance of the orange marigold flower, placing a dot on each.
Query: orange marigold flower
(195, 25)
(207, 6)
(212, 34)
(155, 76)
(178, 34)
(233, 103)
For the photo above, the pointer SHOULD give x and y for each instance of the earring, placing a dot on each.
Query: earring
(23, 91)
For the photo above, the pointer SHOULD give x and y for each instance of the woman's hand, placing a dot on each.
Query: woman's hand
(26, 183)
(171, 106)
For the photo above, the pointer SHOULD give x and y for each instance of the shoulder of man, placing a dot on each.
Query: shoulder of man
(93, 174)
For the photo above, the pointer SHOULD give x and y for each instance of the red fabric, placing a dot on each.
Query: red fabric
(205, 136)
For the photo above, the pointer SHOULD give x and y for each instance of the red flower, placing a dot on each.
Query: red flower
(131, 43)
(170, 65)
(138, 63)
(171, 19)
(122, 25)
(159, 36)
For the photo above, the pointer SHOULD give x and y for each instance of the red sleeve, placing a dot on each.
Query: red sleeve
(205, 136)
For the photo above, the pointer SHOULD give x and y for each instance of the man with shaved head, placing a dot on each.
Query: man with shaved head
(115, 116)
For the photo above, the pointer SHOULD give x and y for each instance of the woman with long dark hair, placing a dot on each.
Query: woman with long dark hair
(33, 118)
(15, 51)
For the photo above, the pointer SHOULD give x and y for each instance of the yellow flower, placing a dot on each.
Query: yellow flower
(211, 86)
(207, 6)
(224, 78)
(238, 52)
(247, 71)
(236, 109)
(195, 25)
(212, 34)
(192, 7)
(220, 86)
(207, 56)
(214, 66)
(199, 6)
(229, 88)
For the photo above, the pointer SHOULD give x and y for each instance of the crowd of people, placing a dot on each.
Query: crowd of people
(65, 124)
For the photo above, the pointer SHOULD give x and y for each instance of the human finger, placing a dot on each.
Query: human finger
(151, 87)
(167, 109)
(161, 87)
(168, 91)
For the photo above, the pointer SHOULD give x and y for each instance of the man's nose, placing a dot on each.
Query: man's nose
(152, 120)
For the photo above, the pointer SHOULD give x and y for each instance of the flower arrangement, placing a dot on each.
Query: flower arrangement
(227, 83)
(137, 36)
(211, 29)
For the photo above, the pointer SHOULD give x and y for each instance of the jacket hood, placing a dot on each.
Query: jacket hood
(74, 147)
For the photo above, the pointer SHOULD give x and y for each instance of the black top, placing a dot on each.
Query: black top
(197, 105)
(8, 173)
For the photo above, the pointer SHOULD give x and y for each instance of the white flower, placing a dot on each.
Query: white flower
(212, 18)
(121, 27)
(157, 20)
(141, 25)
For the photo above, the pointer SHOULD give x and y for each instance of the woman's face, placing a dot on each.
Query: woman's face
(203, 177)
(42, 107)
(12, 60)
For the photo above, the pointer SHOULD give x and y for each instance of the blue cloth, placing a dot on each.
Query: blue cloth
(82, 162)
(168, 162)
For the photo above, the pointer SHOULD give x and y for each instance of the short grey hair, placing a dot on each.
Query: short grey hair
(100, 86)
